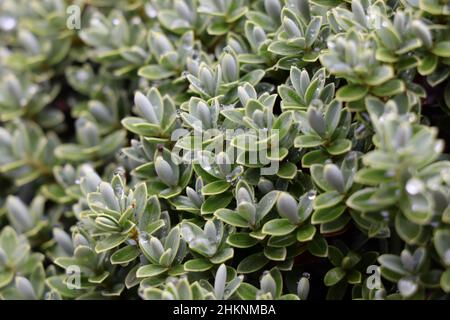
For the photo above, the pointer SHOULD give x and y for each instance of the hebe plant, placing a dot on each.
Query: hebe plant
(350, 99)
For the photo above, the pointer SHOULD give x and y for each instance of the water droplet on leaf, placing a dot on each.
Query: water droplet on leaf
(414, 186)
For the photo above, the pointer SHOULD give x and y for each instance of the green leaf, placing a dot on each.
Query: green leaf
(371, 176)
(380, 75)
(283, 49)
(392, 263)
(154, 226)
(314, 157)
(275, 254)
(136, 125)
(110, 242)
(442, 49)
(389, 37)
(318, 246)
(252, 263)
(335, 225)
(318, 177)
(218, 28)
(216, 202)
(222, 256)
(390, 88)
(339, 146)
(6, 277)
(306, 233)
(266, 204)
(445, 281)
(442, 244)
(362, 201)
(56, 283)
(327, 200)
(278, 227)
(354, 277)
(327, 214)
(333, 116)
(155, 72)
(150, 270)
(231, 217)
(215, 187)
(241, 240)
(287, 170)
(308, 141)
(247, 291)
(97, 279)
(427, 64)
(197, 265)
(408, 231)
(124, 255)
(282, 241)
(386, 55)
(335, 256)
(351, 92)
(333, 276)
(253, 77)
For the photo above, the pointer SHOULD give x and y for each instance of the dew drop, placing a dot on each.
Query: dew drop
(312, 194)
(120, 171)
(412, 117)
(33, 90)
(207, 167)
(82, 75)
(414, 186)
(7, 23)
(306, 275)
(439, 146)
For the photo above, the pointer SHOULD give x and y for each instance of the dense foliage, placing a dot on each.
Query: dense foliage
(354, 95)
